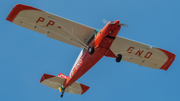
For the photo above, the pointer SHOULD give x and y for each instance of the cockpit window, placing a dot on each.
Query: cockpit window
(97, 31)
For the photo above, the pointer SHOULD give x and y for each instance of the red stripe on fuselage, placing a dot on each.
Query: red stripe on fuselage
(101, 44)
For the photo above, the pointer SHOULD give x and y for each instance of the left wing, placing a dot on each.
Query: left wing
(51, 25)
(141, 54)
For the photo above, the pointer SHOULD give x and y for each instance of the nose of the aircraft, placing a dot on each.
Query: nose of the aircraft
(117, 22)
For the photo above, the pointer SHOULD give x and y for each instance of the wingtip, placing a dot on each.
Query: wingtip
(46, 76)
(84, 88)
(18, 8)
(170, 60)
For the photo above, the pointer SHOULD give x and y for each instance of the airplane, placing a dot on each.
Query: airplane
(94, 43)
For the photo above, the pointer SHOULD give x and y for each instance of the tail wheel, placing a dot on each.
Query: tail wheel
(118, 58)
(61, 95)
(91, 50)
(61, 89)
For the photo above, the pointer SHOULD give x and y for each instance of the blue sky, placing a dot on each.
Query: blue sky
(25, 55)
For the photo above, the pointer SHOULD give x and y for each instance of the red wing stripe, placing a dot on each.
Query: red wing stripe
(170, 60)
(18, 8)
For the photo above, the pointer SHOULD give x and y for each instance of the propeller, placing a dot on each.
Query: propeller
(125, 25)
(106, 21)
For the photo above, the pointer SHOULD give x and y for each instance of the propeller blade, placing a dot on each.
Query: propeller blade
(121, 24)
(105, 21)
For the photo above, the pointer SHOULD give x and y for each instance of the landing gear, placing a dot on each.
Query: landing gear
(118, 58)
(91, 49)
(61, 89)
(62, 94)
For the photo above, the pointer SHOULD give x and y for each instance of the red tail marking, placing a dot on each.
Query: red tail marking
(62, 75)
(46, 76)
(84, 88)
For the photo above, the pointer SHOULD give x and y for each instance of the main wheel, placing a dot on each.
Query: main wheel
(118, 58)
(91, 50)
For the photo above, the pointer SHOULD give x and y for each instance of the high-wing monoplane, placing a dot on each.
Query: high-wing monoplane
(95, 44)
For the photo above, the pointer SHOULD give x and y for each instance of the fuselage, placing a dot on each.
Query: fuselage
(101, 44)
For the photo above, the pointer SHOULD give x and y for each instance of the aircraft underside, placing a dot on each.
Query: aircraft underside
(95, 45)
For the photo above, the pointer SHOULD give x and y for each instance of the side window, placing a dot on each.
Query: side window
(84, 50)
(91, 39)
(94, 35)
(97, 31)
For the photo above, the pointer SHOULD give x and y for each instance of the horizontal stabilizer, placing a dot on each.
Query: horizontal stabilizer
(52, 81)
(56, 81)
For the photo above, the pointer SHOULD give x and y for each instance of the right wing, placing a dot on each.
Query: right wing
(142, 54)
(51, 25)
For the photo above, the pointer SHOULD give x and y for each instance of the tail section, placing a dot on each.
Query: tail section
(56, 82)
(52, 81)
(77, 88)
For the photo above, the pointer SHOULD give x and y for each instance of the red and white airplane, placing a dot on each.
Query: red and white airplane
(95, 44)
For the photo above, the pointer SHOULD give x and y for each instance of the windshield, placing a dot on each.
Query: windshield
(97, 30)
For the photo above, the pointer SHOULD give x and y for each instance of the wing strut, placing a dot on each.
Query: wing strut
(84, 45)
(63, 37)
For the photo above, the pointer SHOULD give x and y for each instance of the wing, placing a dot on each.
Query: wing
(142, 54)
(51, 25)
